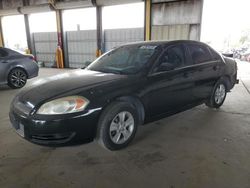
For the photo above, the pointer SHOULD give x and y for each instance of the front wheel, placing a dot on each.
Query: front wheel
(17, 78)
(218, 96)
(117, 126)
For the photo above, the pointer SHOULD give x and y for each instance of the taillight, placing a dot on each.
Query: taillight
(32, 57)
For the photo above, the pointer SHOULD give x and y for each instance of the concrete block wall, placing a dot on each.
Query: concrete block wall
(81, 47)
(45, 47)
(116, 37)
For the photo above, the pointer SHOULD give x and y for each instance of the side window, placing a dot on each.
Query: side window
(215, 55)
(172, 58)
(3, 53)
(199, 53)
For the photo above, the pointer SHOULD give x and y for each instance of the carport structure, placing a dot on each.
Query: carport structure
(197, 148)
(84, 45)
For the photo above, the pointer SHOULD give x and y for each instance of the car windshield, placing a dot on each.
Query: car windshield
(124, 60)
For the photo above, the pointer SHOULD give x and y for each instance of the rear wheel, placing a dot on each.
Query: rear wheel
(117, 126)
(17, 78)
(218, 96)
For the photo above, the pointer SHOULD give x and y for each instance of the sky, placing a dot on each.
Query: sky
(85, 18)
(42, 22)
(221, 20)
(113, 17)
(123, 16)
(14, 32)
(224, 19)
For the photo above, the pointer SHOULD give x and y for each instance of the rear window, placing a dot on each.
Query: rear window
(215, 55)
(199, 53)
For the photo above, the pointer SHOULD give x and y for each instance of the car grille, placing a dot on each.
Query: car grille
(50, 138)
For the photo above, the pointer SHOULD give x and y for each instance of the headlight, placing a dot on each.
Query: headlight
(64, 105)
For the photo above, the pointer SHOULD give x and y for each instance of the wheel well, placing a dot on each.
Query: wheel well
(138, 105)
(227, 79)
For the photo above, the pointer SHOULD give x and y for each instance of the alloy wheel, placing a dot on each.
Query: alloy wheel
(18, 78)
(122, 127)
(220, 94)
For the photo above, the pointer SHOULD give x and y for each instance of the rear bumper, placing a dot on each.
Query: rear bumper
(56, 132)
(233, 80)
(32, 70)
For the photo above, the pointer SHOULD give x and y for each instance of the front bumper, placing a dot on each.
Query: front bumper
(57, 131)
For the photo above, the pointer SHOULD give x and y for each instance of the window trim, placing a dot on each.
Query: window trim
(185, 67)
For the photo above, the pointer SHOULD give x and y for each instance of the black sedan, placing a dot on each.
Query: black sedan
(16, 68)
(126, 87)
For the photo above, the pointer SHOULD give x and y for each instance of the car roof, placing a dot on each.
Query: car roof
(163, 43)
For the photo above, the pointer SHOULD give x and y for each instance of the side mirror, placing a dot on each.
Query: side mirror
(83, 67)
(228, 54)
(85, 64)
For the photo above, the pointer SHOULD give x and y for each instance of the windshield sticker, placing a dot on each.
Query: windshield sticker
(148, 47)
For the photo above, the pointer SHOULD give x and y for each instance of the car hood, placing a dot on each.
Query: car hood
(50, 87)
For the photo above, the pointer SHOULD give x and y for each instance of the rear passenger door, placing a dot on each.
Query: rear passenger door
(206, 67)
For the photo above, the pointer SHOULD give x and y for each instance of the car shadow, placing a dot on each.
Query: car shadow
(4, 87)
(173, 125)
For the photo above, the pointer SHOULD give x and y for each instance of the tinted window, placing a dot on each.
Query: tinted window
(199, 54)
(215, 55)
(124, 60)
(172, 58)
(3, 53)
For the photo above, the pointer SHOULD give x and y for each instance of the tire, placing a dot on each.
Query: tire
(112, 134)
(17, 78)
(219, 95)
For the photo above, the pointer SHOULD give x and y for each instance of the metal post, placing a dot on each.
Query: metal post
(147, 24)
(1, 34)
(200, 26)
(28, 35)
(59, 50)
(99, 30)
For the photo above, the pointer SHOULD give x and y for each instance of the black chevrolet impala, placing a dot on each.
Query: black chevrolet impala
(126, 87)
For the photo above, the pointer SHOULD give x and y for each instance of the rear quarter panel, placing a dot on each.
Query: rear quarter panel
(230, 71)
(231, 67)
